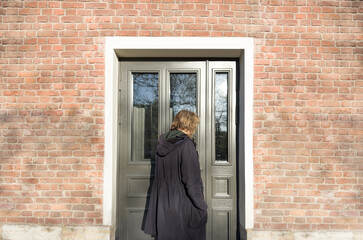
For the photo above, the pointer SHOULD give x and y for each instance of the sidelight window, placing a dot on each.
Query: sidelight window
(221, 116)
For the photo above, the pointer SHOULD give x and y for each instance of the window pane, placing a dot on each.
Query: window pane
(145, 116)
(221, 116)
(183, 92)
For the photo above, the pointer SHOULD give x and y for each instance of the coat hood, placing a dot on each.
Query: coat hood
(165, 147)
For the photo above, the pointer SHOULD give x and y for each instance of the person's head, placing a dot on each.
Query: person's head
(185, 121)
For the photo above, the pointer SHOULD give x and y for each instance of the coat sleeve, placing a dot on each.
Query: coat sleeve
(191, 178)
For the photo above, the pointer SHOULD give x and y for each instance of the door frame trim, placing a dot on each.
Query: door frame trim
(180, 47)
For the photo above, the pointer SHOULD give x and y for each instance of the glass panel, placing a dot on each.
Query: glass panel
(183, 92)
(145, 116)
(221, 116)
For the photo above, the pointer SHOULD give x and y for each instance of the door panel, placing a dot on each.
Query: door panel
(221, 224)
(151, 93)
(134, 221)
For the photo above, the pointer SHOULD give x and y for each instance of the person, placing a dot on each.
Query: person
(177, 209)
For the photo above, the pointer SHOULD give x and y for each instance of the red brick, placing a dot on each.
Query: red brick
(81, 194)
(307, 103)
(95, 5)
(72, 5)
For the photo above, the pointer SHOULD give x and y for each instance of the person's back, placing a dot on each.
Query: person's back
(177, 209)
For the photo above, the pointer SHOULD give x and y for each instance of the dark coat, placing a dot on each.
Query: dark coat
(177, 210)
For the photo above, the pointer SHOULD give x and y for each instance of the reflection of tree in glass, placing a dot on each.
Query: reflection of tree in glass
(146, 95)
(221, 116)
(183, 92)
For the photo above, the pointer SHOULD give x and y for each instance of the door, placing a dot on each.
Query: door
(150, 94)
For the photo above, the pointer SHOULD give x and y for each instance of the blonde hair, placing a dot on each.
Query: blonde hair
(185, 120)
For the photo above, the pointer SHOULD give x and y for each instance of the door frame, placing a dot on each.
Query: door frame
(172, 47)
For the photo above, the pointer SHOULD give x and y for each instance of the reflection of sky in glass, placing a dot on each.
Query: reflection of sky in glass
(183, 92)
(146, 96)
(145, 88)
(221, 101)
(221, 116)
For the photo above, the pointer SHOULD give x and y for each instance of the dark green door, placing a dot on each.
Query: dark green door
(151, 93)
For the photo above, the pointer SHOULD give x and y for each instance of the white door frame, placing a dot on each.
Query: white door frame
(202, 47)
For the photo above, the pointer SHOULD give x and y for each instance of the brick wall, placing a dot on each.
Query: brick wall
(308, 128)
